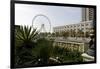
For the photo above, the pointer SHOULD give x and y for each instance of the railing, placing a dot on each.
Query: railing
(72, 46)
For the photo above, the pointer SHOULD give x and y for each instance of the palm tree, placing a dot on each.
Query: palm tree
(24, 43)
(65, 34)
(57, 34)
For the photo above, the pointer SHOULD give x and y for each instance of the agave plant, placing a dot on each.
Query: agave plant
(25, 34)
(24, 43)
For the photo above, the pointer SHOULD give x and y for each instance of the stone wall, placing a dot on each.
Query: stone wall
(72, 46)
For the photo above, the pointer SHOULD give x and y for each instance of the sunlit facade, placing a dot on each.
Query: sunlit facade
(87, 14)
(82, 26)
(85, 25)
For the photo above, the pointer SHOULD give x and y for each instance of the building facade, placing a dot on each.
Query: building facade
(84, 26)
(87, 14)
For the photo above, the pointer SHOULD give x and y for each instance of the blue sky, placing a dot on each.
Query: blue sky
(57, 15)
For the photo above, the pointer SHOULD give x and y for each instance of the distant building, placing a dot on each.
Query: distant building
(82, 26)
(87, 14)
(85, 25)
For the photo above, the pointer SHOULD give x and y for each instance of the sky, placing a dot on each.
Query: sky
(57, 15)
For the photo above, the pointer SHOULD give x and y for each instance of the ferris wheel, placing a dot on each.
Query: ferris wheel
(41, 23)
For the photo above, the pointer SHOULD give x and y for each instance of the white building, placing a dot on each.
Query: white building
(82, 26)
(87, 14)
(85, 25)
